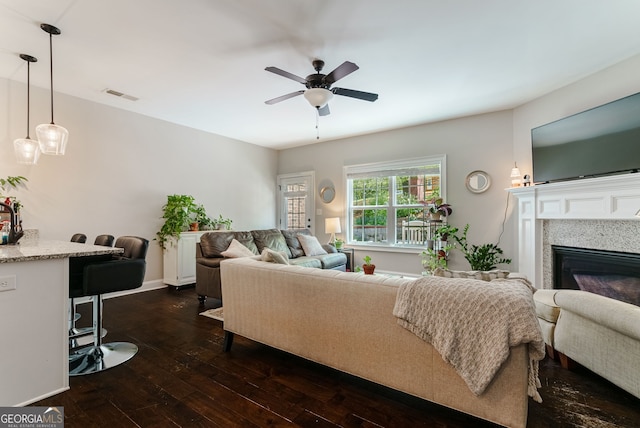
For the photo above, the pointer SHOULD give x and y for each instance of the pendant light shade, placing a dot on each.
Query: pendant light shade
(52, 138)
(27, 151)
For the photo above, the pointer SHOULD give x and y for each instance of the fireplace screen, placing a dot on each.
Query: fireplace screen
(609, 273)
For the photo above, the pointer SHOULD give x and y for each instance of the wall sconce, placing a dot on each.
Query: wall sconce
(515, 176)
(52, 137)
(332, 226)
(27, 151)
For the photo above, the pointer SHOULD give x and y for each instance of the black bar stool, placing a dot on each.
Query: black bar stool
(119, 273)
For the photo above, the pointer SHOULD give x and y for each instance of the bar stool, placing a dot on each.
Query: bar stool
(119, 273)
(75, 290)
(80, 238)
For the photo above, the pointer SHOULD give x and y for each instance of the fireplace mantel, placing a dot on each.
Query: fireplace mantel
(615, 197)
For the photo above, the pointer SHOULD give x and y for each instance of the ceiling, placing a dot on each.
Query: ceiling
(200, 63)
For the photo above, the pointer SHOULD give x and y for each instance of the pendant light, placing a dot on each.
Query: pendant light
(27, 151)
(52, 137)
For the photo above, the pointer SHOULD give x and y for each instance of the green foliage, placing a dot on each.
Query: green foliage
(12, 182)
(177, 213)
(367, 260)
(480, 257)
(443, 232)
(226, 222)
(433, 259)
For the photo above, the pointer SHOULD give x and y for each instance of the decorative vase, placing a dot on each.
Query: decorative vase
(368, 269)
(194, 227)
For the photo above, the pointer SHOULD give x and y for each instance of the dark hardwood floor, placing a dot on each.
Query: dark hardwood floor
(181, 378)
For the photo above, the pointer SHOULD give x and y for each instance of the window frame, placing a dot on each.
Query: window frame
(379, 169)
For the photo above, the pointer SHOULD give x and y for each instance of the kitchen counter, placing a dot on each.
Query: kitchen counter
(35, 249)
(34, 304)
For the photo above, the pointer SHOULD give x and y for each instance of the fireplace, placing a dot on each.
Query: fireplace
(609, 273)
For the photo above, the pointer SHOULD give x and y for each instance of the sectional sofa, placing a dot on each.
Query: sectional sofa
(212, 245)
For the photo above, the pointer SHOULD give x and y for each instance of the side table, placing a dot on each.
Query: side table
(350, 253)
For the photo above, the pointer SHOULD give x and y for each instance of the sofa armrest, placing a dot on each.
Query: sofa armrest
(329, 248)
(614, 314)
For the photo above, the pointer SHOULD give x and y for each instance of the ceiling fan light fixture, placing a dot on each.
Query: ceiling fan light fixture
(318, 97)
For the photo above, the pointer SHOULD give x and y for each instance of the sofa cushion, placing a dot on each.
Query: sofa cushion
(236, 249)
(272, 239)
(213, 244)
(269, 255)
(305, 261)
(310, 245)
(332, 260)
(246, 238)
(472, 274)
(291, 238)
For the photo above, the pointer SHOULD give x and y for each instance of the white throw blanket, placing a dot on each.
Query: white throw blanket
(473, 324)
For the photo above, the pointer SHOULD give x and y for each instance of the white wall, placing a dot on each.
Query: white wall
(608, 85)
(479, 142)
(120, 167)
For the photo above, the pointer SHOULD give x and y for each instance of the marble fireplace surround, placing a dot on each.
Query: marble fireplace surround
(596, 213)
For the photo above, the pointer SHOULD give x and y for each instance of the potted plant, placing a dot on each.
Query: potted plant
(201, 219)
(338, 243)
(223, 223)
(437, 208)
(443, 232)
(433, 259)
(367, 266)
(177, 214)
(483, 257)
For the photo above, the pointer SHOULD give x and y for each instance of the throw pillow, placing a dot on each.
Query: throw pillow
(310, 245)
(473, 274)
(236, 249)
(268, 255)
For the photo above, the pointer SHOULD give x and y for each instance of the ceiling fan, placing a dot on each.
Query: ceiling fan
(319, 90)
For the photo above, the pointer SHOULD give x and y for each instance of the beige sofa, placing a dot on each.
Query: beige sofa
(600, 333)
(345, 321)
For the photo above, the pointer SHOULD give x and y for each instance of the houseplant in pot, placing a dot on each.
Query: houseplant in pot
(481, 257)
(223, 223)
(177, 213)
(368, 267)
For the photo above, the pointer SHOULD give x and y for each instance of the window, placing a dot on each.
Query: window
(386, 201)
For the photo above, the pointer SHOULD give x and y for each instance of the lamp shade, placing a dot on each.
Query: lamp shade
(318, 97)
(27, 151)
(515, 176)
(53, 138)
(332, 225)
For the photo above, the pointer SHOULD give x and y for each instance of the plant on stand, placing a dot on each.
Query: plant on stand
(368, 267)
(481, 257)
(435, 258)
(177, 214)
(223, 223)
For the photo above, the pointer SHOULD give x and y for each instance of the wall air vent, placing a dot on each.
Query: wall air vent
(121, 95)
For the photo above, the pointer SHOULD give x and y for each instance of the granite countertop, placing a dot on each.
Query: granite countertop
(36, 249)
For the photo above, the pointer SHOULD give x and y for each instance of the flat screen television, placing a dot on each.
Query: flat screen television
(604, 140)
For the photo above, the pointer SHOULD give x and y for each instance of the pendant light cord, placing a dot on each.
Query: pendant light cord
(51, 71)
(28, 95)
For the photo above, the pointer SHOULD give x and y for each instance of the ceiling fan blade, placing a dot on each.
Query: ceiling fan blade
(344, 69)
(367, 96)
(324, 111)
(284, 97)
(286, 74)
